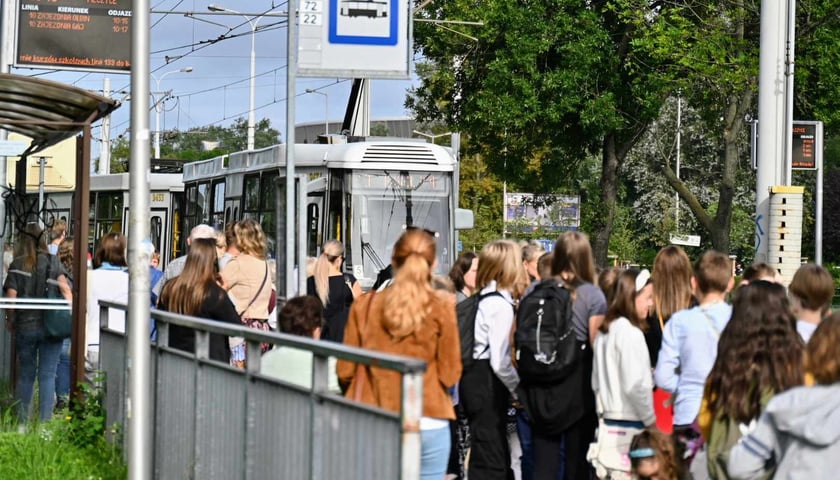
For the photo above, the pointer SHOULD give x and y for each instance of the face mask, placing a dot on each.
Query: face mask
(53, 249)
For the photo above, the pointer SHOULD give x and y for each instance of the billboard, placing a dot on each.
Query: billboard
(89, 35)
(529, 212)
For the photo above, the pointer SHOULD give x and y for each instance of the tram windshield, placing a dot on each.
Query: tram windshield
(384, 203)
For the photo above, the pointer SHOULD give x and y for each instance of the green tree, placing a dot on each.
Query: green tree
(712, 51)
(540, 85)
(201, 142)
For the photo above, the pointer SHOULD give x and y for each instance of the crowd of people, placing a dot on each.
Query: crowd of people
(679, 373)
(669, 374)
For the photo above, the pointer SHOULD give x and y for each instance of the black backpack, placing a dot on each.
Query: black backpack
(467, 310)
(546, 348)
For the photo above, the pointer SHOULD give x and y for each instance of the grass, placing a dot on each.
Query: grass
(71, 446)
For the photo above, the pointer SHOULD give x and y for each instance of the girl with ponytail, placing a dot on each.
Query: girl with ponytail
(408, 318)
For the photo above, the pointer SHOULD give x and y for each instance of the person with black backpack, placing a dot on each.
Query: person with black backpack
(554, 327)
(489, 378)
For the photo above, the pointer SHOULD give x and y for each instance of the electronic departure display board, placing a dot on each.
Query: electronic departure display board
(804, 143)
(75, 34)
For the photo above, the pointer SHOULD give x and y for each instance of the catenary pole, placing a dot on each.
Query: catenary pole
(138, 407)
(771, 115)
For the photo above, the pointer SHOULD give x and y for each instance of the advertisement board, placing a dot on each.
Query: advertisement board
(529, 212)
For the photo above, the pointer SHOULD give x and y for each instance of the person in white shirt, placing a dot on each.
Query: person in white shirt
(487, 385)
(621, 374)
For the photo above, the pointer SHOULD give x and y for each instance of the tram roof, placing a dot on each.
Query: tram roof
(47, 111)
(409, 155)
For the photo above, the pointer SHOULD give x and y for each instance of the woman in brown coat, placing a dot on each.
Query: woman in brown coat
(408, 318)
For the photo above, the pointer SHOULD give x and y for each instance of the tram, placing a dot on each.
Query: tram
(109, 207)
(363, 194)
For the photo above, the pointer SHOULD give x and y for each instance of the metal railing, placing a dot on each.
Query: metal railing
(215, 421)
(7, 361)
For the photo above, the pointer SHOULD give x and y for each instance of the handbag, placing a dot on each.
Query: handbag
(609, 454)
(57, 323)
(255, 323)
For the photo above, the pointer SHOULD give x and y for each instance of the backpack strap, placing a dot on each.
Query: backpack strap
(480, 298)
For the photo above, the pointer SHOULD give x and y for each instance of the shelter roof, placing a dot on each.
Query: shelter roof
(47, 111)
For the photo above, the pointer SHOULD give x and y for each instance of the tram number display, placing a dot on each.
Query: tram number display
(75, 34)
(157, 197)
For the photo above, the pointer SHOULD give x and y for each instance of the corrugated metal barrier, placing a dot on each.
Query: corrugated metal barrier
(213, 421)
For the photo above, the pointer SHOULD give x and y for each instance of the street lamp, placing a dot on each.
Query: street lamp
(253, 23)
(326, 109)
(159, 105)
(430, 136)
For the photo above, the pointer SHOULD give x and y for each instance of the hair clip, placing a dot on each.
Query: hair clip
(642, 453)
(642, 279)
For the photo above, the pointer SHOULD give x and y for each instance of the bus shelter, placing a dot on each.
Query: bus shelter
(48, 112)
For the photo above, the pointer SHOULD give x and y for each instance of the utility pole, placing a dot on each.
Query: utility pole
(105, 149)
(771, 115)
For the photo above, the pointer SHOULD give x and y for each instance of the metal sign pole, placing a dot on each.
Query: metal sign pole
(291, 46)
(138, 407)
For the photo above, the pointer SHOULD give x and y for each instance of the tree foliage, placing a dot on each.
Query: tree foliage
(539, 86)
(201, 143)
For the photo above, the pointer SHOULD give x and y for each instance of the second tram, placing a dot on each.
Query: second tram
(363, 194)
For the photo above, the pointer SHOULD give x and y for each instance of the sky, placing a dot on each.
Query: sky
(216, 91)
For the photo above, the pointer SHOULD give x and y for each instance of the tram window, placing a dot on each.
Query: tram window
(203, 203)
(92, 207)
(156, 232)
(218, 217)
(268, 209)
(191, 200)
(227, 215)
(252, 194)
(335, 218)
(110, 206)
(312, 219)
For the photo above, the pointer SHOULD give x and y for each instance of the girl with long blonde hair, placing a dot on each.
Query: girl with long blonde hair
(488, 384)
(409, 318)
(335, 289)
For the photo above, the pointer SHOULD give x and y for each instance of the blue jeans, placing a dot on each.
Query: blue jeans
(434, 454)
(62, 376)
(526, 442)
(36, 353)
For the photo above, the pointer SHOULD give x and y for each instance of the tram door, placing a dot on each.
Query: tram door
(160, 235)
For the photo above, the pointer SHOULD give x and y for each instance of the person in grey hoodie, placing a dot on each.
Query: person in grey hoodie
(798, 434)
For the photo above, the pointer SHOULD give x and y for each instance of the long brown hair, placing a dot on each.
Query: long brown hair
(573, 259)
(671, 282)
(185, 293)
(759, 352)
(624, 301)
(407, 301)
(30, 242)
